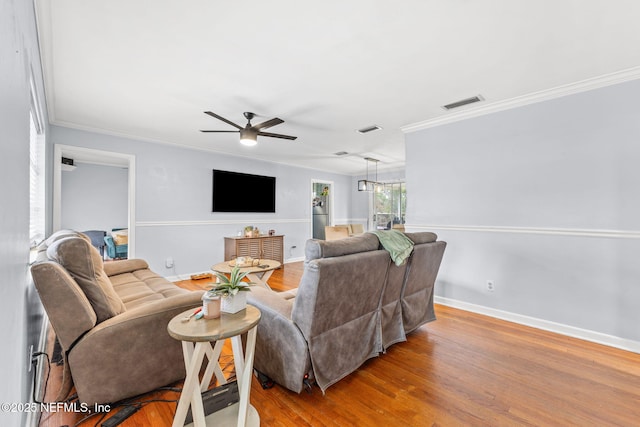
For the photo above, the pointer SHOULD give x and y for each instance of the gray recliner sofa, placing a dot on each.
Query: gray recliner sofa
(352, 303)
(110, 319)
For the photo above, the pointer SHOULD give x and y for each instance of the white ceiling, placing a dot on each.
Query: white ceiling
(148, 69)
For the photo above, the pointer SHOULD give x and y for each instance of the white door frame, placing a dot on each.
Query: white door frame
(103, 157)
(331, 188)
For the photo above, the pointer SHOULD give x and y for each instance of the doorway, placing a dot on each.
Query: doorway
(97, 157)
(321, 207)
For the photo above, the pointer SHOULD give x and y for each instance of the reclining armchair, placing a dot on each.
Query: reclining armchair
(353, 302)
(110, 319)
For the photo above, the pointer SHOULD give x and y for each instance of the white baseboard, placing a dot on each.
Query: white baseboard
(571, 331)
(180, 277)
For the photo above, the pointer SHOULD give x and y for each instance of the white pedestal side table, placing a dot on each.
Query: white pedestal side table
(197, 336)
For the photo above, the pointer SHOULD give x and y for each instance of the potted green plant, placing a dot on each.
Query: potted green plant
(232, 290)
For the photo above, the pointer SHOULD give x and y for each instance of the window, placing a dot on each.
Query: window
(36, 175)
(389, 205)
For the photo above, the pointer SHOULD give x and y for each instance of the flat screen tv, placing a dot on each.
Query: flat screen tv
(242, 192)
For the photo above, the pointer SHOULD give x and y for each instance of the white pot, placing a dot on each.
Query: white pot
(235, 303)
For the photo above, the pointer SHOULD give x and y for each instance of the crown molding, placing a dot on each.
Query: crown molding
(544, 95)
(576, 232)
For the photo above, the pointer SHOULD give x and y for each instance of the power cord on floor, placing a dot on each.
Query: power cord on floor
(104, 414)
(138, 404)
(125, 403)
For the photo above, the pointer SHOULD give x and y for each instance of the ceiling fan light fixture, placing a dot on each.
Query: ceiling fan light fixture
(249, 134)
(248, 142)
(248, 138)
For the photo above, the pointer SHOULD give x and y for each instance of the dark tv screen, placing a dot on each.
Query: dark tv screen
(242, 192)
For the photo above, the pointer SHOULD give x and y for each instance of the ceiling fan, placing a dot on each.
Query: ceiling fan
(249, 133)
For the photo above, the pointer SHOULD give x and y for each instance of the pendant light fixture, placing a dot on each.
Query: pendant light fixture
(367, 184)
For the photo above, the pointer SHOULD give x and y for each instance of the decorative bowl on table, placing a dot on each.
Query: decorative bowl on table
(244, 262)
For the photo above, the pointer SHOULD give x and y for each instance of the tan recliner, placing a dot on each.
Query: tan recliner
(110, 319)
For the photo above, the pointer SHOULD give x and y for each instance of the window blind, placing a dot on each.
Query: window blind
(36, 182)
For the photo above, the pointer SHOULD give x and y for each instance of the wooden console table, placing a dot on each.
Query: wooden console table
(263, 246)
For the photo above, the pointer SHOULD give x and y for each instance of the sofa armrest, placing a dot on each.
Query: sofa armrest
(113, 268)
(270, 301)
(281, 350)
(137, 345)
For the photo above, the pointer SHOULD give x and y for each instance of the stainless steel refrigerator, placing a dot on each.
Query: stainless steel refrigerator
(320, 220)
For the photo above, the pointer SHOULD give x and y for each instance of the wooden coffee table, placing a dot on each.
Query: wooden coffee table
(258, 274)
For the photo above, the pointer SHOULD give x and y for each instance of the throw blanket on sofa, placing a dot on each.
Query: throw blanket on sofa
(396, 243)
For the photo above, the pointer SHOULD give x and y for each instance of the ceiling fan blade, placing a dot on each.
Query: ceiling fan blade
(268, 124)
(223, 119)
(220, 131)
(277, 135)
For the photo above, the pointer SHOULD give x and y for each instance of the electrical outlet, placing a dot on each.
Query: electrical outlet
(490, 285)
(168, 262)
(30, 360)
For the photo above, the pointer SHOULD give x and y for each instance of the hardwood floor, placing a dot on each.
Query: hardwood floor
(462, 369)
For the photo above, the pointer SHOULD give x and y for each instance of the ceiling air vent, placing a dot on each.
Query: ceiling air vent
(463, 102)
(369, 129)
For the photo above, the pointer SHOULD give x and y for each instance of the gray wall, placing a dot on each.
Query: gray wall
(173, 201)
(94, 197)
(19, 309)
(542, 199)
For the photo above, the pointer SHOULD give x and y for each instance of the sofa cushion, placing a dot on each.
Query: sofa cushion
(85, 265)
(121, 266)
(142, 286)
(316, 249)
